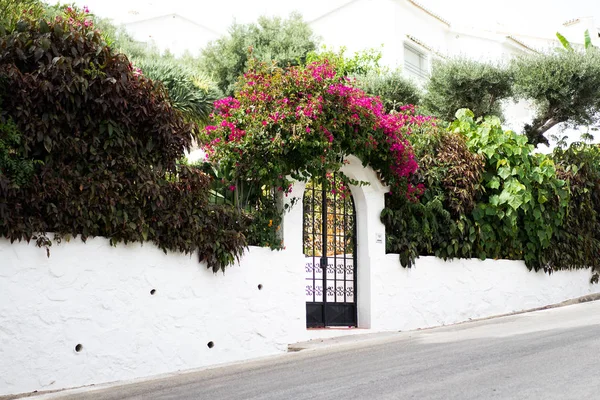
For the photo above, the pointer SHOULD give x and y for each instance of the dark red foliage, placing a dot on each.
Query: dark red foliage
(105, 142)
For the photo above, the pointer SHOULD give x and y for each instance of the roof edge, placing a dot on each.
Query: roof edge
(425, 46)
(522, 44)
(572, 22)
(429, 12)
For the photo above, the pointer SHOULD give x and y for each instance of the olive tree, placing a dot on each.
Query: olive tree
(461, 83)
(564, 86)
(393, 88)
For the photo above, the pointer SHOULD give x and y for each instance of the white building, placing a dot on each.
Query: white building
(172, 32)
(413, 36)
(410, 34)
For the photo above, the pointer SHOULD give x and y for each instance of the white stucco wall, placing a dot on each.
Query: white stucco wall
(435, 292)
(99, 296)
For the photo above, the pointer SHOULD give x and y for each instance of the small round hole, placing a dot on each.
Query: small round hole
(79, 347)
(152, 292)
(210, 344)
(260, 286)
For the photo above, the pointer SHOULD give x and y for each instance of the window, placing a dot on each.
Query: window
(415, 63)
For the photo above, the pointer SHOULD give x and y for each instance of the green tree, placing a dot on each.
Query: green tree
(360, 64)
(564, 86)
(286, 41)
(462, 83)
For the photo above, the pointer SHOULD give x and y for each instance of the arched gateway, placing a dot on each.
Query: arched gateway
(347, 225)
(329, 247)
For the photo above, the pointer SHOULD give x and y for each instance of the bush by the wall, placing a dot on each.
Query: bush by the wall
(436, 224)
(524, 202)
(577, 243)
(487, 195)
(105, 142)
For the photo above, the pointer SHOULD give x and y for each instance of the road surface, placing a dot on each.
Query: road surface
(551, 354)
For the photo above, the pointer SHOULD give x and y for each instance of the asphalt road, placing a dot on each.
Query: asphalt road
(551, 354)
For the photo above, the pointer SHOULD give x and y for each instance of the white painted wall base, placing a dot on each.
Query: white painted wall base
(100, 297)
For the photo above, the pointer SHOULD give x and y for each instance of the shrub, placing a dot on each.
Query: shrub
(105, 142)
(435, 225)
(13, 162)
(524, 202)
(577, 243)
(462, 174)
(416, 228)
(487, 195)
(13, 11)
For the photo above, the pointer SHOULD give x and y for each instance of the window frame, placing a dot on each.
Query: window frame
(423, 73)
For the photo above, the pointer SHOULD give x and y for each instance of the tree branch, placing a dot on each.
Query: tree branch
(535, 131)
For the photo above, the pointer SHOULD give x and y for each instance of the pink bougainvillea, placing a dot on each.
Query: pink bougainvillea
(302, 121)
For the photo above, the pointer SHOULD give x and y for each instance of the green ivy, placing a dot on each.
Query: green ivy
(523, 203)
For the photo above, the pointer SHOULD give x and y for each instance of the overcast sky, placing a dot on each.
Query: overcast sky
(522, 15)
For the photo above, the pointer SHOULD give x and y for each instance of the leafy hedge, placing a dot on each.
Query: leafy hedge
(577, 243)
(524, 202)
(489, 196)
(103, 144)
(451, 175)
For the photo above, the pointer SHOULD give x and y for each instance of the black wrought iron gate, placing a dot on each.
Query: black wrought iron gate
(329, 236)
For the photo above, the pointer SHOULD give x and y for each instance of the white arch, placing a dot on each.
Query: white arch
(369, 201)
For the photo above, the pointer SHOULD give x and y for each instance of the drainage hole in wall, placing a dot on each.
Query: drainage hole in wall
(79, 347)
(152, 292)
(260, 286)
(210, 344)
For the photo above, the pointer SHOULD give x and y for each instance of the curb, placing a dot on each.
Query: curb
(335, 341)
